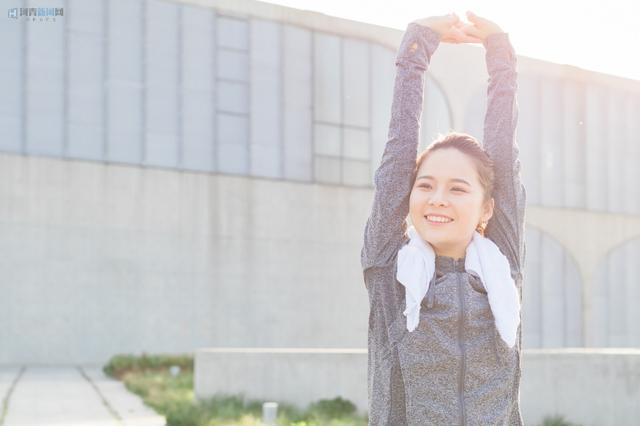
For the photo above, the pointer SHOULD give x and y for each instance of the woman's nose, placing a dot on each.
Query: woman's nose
(437, 198)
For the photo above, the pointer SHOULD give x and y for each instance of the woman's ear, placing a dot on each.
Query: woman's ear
(488, 210)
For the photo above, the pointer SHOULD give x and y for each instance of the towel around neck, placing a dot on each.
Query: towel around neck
(416, 268)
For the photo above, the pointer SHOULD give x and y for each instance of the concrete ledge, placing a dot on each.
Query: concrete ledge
(294, 375)
(599, 386)
(594, 386)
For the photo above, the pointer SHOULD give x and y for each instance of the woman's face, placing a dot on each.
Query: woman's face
(447, 184)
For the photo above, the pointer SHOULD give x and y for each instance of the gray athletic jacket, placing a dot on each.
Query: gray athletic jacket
(454, 369)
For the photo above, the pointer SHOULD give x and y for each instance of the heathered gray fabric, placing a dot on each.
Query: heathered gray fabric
(454, 368)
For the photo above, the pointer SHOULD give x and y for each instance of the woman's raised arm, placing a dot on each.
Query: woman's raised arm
(386, 224)
(506, 226)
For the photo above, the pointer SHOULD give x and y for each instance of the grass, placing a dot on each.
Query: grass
(172, 396)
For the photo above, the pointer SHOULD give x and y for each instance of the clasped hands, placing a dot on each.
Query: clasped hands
(452, 30)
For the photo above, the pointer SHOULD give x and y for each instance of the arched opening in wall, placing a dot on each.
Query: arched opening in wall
(552, 308)
(615, 319)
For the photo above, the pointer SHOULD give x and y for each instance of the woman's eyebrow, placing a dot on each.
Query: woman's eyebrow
(451, 180)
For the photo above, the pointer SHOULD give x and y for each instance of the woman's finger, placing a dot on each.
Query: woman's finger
(462, 37)
(459, 40)
(457, 36)
(459, 24)
(450, 40)
(485, 24)
(472, 30)
(471, 39)
(473, 17)
(453, 18)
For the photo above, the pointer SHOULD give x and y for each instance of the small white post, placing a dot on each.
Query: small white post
(269, 413)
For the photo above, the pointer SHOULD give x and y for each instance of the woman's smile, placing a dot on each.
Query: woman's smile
(437, 220)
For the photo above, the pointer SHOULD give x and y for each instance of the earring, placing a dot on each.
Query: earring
(481, 227)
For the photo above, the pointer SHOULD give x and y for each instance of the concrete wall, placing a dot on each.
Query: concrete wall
(109, 258)
(178, 175)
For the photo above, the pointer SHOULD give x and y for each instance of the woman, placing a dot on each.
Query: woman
(451, 366)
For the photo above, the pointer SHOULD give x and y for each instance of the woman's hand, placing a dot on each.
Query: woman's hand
(480, 27)
(449, 27)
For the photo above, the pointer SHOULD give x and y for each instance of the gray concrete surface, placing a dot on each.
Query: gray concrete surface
(69, 395)
(588, 387)
(298, 376)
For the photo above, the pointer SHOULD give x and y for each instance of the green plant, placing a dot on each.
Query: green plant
(332, 408)
(122, 363)
(557, 420)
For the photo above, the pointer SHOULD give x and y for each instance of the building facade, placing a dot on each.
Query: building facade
(178, 175)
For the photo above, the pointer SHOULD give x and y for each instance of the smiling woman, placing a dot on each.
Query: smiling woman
(446, 353)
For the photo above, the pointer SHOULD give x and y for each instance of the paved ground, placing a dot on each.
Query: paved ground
(69, 396)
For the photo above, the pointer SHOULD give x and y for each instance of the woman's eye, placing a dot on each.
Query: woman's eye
(455, 188)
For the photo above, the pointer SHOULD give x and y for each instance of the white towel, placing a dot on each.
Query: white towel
(416, 267)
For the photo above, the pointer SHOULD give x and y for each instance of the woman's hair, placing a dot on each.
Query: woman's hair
(469, 145)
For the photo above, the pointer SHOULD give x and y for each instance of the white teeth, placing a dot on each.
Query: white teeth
(438, 219)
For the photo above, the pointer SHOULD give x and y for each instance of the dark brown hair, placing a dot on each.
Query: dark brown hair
(469, 145)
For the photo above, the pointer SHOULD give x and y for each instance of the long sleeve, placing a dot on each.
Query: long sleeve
(506, 226)
(386, 224)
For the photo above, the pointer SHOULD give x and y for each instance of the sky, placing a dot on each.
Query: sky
(602, 36)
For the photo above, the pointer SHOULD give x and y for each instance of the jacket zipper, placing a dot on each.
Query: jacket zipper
(461, 343)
